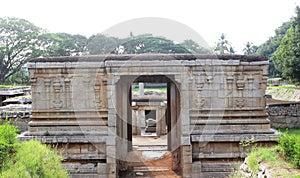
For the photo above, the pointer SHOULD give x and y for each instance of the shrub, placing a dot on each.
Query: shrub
(290, 147)
(8, 141)
(34, 159)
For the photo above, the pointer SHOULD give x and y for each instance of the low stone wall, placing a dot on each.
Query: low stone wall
(285, 115)
(18, 115)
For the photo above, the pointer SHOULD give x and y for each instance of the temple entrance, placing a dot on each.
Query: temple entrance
(148, 129)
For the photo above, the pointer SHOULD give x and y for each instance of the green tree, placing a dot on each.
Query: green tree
(223, 46)
(101, 44)
(250, 49)
(147, 43)
(194, 47)
(287, 56)
(62, 44)
(19, 78)
(18, 44)
(269, 47)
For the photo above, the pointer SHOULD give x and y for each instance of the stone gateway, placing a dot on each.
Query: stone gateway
(83, 106)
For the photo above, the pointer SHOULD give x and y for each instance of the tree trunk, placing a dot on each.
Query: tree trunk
(2, 79)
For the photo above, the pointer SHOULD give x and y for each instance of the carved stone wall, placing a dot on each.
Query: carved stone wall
(82, 104)
(284, 115)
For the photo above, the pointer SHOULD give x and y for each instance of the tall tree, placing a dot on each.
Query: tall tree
(194, 47)
(101, 44)
(287, 56)
(223, 46)
(62, 44)
(269, 47)
(250, 49)
(147, 43)
(18, 44)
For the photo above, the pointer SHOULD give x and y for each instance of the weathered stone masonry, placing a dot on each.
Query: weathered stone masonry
(83, 105)
(284, 115)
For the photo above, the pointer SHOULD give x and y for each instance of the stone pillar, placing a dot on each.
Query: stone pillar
(134, 123)
(158, 122)
(111, 141)
(142, 118)
(141, 89)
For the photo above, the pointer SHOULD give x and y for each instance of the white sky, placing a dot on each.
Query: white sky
(240, 20)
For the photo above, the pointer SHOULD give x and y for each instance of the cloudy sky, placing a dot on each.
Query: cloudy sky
(240, 20)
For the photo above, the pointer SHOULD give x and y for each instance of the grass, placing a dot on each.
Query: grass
(135, 90)
(9, 86)
(294, 131)
(264, 154)
(281, 160)
(290, 87)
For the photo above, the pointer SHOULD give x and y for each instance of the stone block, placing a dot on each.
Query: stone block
(185, 140)
(112, 120)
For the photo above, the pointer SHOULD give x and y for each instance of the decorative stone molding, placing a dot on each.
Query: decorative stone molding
(240, 102)
(209, 79)
(68, 92)
(200, 102)
(240, 83)
(57, 102)
(199, 80)
(98, 94)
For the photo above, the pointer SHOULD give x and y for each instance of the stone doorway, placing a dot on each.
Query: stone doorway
(126, 122)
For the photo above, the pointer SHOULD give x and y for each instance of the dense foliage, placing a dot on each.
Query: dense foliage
(18, 44)
(8, 141)
(148, 44)
(290, 146)
(287, 56)
(33, 159)
(27, 159)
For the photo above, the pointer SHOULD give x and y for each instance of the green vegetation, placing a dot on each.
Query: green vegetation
(223, 46)
(8, 140)
(287, 56)
(290, 148)
(293, 132)
(135, 90)
(284, 156)
(33, 159)
(21, 41)
(12, 86)
(27, 159)
(8, 86)
(290, 87)
(263, 154)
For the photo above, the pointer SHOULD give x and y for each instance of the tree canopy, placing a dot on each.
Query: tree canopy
(287, 56)
(250, 49)
(18, 44)
(223, 46)
(62, 44)
(148, 44)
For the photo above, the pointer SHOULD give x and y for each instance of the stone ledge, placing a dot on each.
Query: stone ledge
(218, 155)
(229, 122)
(143, 57)
(65, 139)
(235, 138)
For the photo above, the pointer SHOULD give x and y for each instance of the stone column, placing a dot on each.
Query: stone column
(134, 123)
(141, 89)
(111, 141)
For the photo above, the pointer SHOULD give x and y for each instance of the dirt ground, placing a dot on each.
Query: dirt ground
(139, 166)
